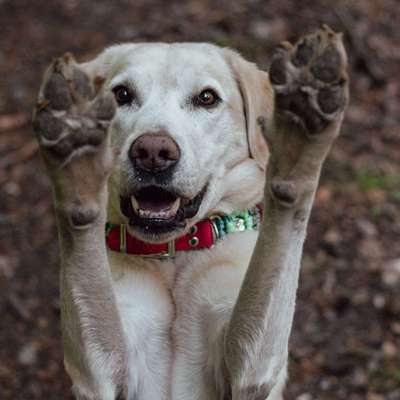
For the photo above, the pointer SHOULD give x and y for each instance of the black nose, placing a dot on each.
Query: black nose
(154, 152)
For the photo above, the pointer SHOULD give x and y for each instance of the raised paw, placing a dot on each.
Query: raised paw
(71, 121)
(72, 115)
(310, 80)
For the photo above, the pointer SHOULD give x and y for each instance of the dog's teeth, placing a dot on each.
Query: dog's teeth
(153, 214)
(135, 204)
(163, 214)
(144, 213)
(175, 207)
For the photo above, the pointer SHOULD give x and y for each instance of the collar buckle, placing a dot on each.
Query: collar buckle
(166, 254)
(169, 253)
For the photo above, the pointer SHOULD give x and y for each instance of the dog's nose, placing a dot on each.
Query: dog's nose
(154, 152)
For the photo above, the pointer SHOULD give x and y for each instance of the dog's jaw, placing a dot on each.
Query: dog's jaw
(156, 215)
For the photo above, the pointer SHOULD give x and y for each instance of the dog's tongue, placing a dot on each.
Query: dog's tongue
(155, 203)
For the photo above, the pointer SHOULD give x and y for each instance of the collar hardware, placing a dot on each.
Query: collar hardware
(194, 241)
(168, 253)
(122, 238)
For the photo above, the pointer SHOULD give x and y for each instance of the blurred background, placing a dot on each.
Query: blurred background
(346, 337)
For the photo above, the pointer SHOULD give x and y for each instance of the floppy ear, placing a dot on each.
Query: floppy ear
(257, 98)
(110, 58)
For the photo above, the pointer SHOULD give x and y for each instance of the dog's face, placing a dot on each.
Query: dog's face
(186, 134)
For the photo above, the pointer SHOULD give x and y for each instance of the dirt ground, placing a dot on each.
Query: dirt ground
(346, 336)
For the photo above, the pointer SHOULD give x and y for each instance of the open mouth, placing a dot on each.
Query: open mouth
(155, 210)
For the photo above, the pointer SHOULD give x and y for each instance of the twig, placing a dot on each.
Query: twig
(19, 307)
(13, 121)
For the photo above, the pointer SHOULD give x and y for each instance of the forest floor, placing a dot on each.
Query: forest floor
(346, 336)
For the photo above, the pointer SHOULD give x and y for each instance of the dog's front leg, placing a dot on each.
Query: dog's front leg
(311, 92)
(71, 123)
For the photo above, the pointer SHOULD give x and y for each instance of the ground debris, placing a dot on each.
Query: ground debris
(346, 336)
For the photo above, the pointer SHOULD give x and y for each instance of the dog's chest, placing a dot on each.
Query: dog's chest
(154, 311)
(161, 305)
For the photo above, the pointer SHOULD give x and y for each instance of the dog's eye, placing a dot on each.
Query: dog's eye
(123, 95)
(207, 98)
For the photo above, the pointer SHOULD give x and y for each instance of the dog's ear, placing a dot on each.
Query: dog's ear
(108, 60)
(257, 98)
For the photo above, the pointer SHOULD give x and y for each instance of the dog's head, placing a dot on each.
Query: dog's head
(187, 131)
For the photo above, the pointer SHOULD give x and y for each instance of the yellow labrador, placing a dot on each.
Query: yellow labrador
(188, 292)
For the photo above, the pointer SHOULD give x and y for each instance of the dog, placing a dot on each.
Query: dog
(183, 180)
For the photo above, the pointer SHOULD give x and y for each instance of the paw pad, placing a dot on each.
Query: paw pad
(284, 191)
(82, 84)
(48, 126)
(330, 99)
(327, 67)
(81, 218)
(277, 71)
(305, 52)
(56, 91)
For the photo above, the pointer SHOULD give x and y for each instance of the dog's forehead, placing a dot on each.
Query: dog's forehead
(176, 62)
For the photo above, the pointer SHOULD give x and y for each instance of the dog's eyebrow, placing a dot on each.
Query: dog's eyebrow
(210, 83)
(122, 79)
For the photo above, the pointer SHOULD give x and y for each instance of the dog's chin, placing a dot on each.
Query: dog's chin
(157, 214)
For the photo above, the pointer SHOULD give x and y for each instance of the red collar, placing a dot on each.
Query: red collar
(203, 235)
